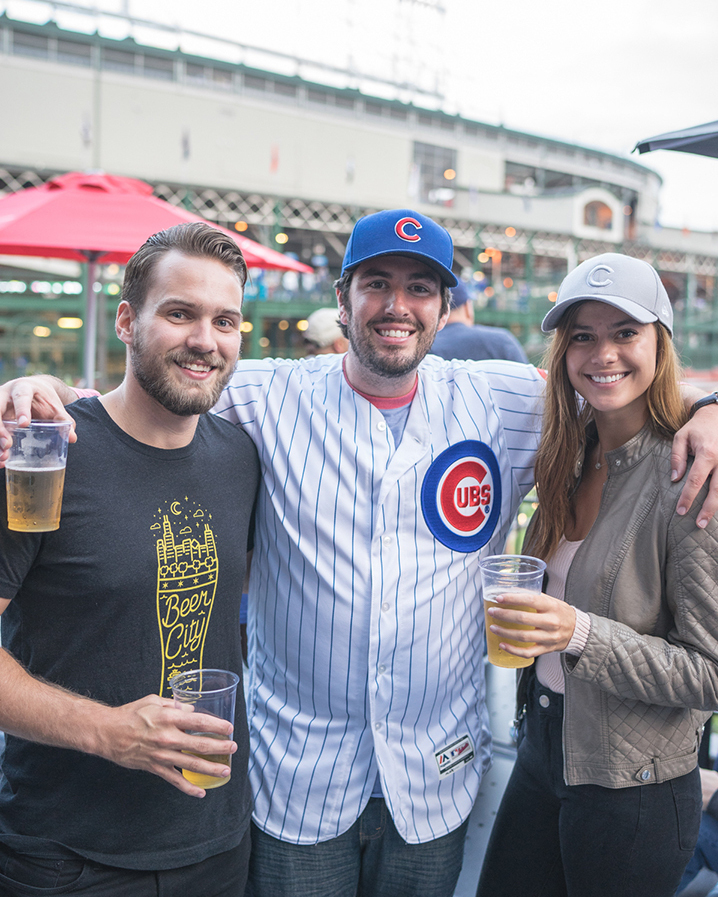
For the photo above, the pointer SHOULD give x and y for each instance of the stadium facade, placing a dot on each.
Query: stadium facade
(293, 162)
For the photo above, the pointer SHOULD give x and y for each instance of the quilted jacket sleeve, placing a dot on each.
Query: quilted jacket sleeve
(682, 668)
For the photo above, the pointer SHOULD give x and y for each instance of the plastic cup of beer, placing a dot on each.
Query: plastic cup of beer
(213, 692)
(503, 573)
(35, 475)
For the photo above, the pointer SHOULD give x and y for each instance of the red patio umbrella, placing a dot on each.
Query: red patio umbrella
(101, 218)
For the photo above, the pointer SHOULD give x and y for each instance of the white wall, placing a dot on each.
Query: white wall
(250, 142)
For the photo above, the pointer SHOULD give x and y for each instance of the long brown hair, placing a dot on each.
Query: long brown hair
(563, 437)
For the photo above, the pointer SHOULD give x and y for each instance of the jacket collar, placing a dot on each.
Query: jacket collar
(630, 453)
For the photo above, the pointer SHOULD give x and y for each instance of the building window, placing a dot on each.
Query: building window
(598, 214)
(285, 89)
(159, 67)
(118, 60)
(221, 77)
(24, 44)
(434, 171)
(74, 52)
(194, 71)
(315, 95)
(256, 82)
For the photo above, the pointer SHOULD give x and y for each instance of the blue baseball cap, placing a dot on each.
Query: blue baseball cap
(460, 295)
(401, 232)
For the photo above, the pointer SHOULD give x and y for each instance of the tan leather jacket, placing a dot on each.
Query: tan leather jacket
(647, 680)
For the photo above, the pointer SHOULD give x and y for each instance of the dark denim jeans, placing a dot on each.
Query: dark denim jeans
(556, 840)
(369, 860)
(59, 871)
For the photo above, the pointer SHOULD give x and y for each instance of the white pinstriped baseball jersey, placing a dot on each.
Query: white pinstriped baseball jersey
(366, 627)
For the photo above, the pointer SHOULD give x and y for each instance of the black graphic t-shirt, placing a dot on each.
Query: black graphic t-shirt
(142, 580)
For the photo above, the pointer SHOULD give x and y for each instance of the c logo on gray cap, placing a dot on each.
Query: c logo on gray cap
(593, 280)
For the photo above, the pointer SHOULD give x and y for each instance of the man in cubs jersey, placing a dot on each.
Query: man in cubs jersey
(386, 475)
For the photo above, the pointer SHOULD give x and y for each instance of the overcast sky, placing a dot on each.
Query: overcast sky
(602, 74)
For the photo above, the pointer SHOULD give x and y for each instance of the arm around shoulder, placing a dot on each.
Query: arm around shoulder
(698, 438)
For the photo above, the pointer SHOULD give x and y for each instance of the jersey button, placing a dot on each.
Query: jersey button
(382, 669)
(385, 606)
(377, 726)
(387, 540)
(381, 425)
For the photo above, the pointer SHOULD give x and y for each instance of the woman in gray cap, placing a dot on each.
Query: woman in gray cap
(605, 798)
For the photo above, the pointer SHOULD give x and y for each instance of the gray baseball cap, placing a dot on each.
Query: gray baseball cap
(626, 283)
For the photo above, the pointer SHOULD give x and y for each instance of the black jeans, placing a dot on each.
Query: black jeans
(556, 840)
(59, 871)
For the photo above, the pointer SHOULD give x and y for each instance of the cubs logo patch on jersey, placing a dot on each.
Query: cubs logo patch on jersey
(461, 496)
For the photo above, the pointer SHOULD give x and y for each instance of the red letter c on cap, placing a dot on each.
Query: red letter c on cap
(400, 226)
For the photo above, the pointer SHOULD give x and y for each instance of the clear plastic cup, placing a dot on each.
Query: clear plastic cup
(213, 692)
(502, 573)
(35, 475)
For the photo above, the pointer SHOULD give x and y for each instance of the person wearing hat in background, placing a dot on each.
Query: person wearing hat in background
(605, 795)
(462, 338)
(323, 335)
(386, 474)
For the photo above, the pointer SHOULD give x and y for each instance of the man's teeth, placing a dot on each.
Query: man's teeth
(611, 379)
(393, 333)
(200, 368)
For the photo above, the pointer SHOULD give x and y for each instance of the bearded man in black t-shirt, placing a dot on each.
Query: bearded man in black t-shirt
(143, 578)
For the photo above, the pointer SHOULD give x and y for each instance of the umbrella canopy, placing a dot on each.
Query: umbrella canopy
(701, 140)
(102, 218)
(80, 216)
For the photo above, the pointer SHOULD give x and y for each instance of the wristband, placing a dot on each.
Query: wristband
(712, 399)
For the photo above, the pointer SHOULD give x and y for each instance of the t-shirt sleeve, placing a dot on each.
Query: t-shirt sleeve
(17, 555)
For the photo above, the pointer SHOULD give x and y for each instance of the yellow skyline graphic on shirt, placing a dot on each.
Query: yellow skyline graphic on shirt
(187, 570)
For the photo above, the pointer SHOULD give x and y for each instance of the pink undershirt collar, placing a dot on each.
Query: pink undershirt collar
(384, 403)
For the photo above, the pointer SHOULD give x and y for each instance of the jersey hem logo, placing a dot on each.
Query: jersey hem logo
(461, 496)
(454, 756)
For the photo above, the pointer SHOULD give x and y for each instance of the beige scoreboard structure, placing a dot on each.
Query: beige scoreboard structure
(293, 162)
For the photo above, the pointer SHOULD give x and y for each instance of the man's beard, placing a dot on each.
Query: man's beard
(385, 362)
(153, 373)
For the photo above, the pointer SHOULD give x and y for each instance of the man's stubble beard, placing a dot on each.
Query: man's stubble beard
(384, 363)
